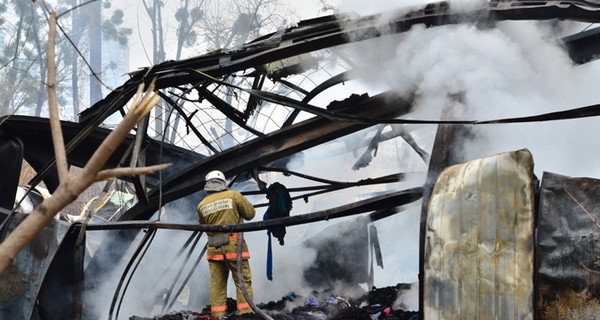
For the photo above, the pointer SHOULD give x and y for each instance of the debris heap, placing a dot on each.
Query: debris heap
(379, 303)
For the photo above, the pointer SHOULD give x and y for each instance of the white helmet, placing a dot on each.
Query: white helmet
(215, 174)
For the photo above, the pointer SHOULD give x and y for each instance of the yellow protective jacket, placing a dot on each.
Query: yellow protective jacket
(225, 207)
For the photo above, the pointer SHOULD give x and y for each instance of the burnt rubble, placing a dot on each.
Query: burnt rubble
(563, 264)
(379, 303)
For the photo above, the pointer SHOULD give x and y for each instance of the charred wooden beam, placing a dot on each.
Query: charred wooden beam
(188, 121)
(230, 112)
(138, 159)
(449, 140)
(394, 199)
(584, 46)
(243, 158)
(337, 79)
(253, 102)
(320, 34)
(269, 148)
(384, 213)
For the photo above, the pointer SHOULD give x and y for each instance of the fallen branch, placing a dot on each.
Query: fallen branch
(72, 187)
(109, 174)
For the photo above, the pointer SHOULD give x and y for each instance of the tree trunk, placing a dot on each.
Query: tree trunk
(41, 97)
(75, 30)
(42, 92)
(182, 34)
(95, 36)
(8, 93)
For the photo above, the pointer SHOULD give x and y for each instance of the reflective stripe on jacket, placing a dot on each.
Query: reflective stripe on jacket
(230, 256)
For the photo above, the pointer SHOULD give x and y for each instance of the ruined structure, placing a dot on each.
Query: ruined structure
(238, 111)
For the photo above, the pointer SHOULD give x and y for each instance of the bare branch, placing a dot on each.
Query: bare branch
(57, 136)
(71, 188)
(93, 73)
(75, 7)
(118, 172)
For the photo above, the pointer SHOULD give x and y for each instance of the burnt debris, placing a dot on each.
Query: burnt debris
(242, 88)
(379, 303)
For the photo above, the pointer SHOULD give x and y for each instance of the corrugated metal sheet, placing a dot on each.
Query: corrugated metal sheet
(478, 259)
(21, 281)
(568, 248)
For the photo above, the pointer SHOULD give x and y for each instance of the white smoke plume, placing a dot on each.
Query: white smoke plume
(515, 69)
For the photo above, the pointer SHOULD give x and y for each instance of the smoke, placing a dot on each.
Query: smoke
(399, 241)
(150, 282)
(289, 262)
(408, 300)
(376, 6)
(515, 69)
(334, 161)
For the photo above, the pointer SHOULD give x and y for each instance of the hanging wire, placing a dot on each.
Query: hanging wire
(75, 7)
(160, 155)
(143, 246)
(79, 52)
(189, 276)
(179, 272)
(179, 253)
(591, 24)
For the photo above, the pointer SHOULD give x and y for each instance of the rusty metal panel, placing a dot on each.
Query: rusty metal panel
(568, 248)
(478, 259)
(21, 281)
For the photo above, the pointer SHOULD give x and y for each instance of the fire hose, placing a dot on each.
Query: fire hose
(240, 277)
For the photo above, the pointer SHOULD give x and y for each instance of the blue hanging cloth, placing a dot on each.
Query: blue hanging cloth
(280, 205)
(269, 258)
(269, 249)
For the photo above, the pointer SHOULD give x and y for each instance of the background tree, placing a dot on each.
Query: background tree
(23, 34)
(18, 56)
(230, 23)
(202, 25)
(100, 22)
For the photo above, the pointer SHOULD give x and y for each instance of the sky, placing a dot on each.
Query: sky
(515, 69)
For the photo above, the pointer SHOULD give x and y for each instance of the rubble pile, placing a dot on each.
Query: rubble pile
(377, 304)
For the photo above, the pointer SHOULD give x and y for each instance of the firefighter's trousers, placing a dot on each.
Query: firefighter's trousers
(218, 286)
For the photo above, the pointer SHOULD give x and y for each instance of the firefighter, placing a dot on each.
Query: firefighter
(223, 206)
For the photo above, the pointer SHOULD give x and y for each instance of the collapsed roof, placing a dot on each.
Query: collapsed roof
(233, 110)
